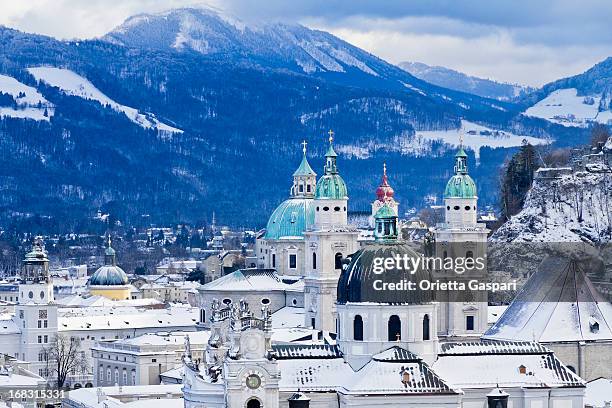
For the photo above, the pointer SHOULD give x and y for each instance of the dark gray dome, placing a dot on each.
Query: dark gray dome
(356, 282)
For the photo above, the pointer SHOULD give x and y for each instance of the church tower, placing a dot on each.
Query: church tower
(36, 312)
(384, 195)
(461, 236)
(329, 240)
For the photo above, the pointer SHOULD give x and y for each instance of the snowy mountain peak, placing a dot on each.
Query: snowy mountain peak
(210, 31)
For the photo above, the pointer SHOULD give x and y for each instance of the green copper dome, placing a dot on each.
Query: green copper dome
(461, 185)
(331, 187)
(291, 218)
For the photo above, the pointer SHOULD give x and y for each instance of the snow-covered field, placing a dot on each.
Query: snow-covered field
(474, 137)
(30, 103)
(566, 108)
(73, 84)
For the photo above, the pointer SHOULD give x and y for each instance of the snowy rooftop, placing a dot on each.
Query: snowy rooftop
(126, 318)
(492, 347)
(166, 395)
(538, 314)
(490, 370)
(101, 301)
(598, 392)
(252, 280)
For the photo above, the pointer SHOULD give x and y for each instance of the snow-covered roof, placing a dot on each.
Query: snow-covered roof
(396, 371)
(126, 318)
(541, 370)
(495, 312)
(170, 341)
(556, 304)
(8, 325)
(288, 317)
(598, 392)
(166, 395)
(492, 347)
(313, 374)
(306, 351)
(101, 301)
(251, 280)
(175, 373)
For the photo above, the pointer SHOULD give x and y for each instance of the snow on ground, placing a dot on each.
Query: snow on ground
(474, 137)
(30, 105)
(566, 108)
(73, 84)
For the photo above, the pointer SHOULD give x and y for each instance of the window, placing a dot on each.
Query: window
(108, 374)
(265, 301)
(448, 207)
(154, 360)
(133, 377)
(469, 255)
(274, 260)
(124, 377)
(358, 328)
(312, 322)
(101, 374)
(301, 188)
(469, 322)
(40, 324)
(39, 339)
(394, 328)
(294, 302)
(338, 261)
(292, 261)
(467, 208)
(325, 208)
(456, 207)
(202, 316)
(426, 327)
(308, 188)
(45, 323)
(116, 375)
(314, 260)
(227, 301)
(336, 208)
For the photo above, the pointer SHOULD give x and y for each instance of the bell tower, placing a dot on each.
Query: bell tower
(461, 236)
(328, 242)
(36, 312)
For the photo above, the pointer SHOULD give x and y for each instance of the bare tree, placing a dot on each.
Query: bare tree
(64, 358)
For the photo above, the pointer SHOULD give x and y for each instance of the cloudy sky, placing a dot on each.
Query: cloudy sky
(524, 41)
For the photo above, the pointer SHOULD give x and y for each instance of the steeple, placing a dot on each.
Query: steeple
(461, 162)
(36, 264)
(304, 178)
(109, 253)
(331, 156)
(384, 192)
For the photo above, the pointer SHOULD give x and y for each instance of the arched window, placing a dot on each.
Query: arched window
(426, 327)
(395, 328)
(338, 260)
(358, 328)
(314, 260)
(253, 403)
(274, 260)
(469, 255)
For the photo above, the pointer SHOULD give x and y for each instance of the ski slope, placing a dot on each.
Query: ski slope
(567, 108)
(72, 83)
(30, 103)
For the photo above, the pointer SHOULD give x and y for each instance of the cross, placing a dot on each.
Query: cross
(461, 137)
(331, 136)
(304, 146)
(384, 168)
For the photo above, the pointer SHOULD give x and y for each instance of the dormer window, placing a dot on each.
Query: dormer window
(593, 325)
(405, 377)
(522, 369)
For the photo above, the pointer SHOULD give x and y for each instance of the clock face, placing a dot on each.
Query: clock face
(253, 381)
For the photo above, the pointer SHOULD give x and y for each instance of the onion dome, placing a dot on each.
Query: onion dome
(290, 219)
(461, 185)
(331, 186)
(384, 191)
(109, 274)
(361, 280)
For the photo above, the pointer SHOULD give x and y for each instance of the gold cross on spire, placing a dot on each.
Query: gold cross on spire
(331, 136)
(304, 144)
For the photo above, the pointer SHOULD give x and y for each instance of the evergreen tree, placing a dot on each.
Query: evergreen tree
(517, 178)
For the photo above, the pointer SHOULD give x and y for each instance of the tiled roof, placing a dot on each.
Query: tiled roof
(492, 347)
(304, 351)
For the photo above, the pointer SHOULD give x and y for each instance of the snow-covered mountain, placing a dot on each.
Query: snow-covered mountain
(459, 81)
(578, 101)
(566, 204)
(210, 32)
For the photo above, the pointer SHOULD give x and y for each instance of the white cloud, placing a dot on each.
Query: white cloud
(530, 43)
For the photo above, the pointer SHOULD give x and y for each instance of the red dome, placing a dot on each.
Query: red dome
(384, 191)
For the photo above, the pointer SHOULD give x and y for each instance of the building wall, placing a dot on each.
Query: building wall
(589, 360)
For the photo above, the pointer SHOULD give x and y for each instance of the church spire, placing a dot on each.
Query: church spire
(304, 178)
(331, 156)
(109, 253)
